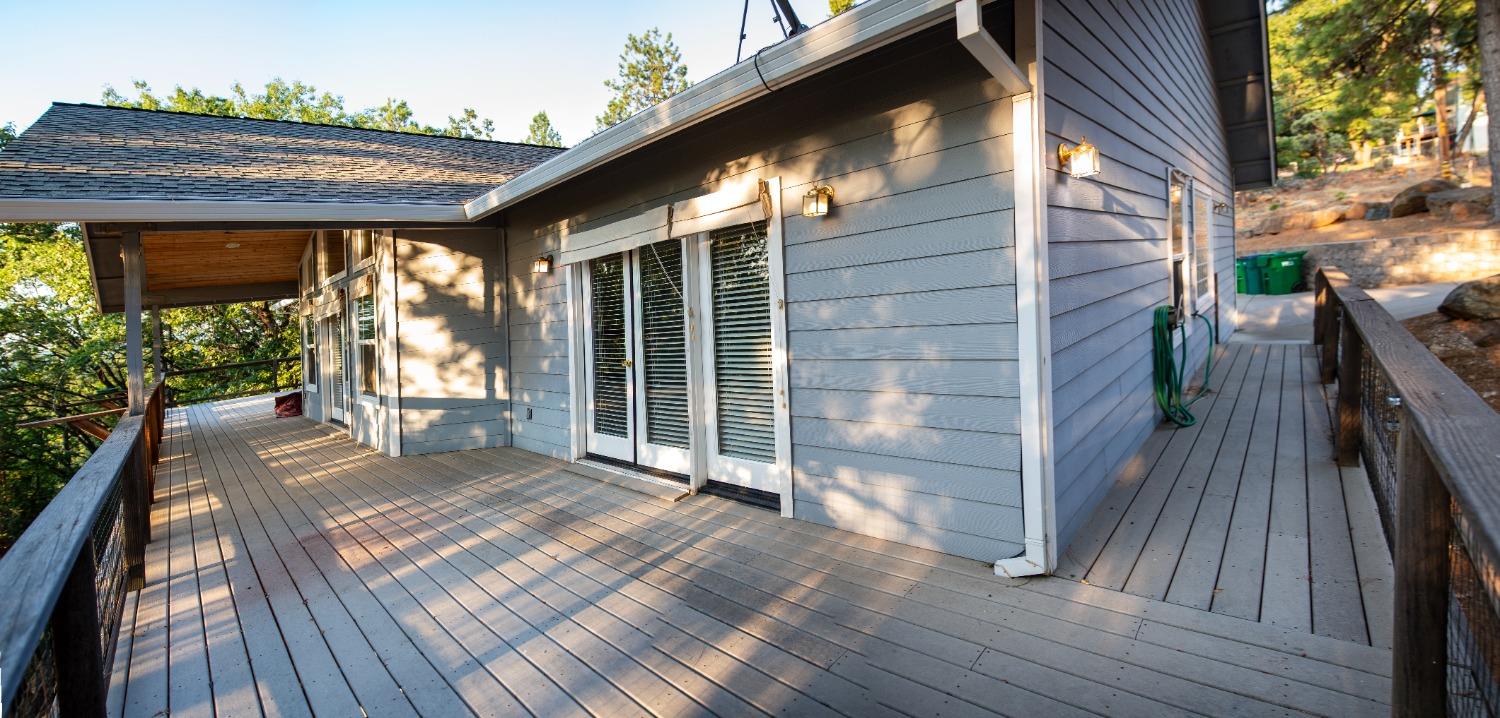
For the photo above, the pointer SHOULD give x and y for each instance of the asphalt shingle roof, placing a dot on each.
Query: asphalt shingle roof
(103, 153)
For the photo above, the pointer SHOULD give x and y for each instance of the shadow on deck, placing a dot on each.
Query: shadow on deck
(1247, 514)
(294, 572)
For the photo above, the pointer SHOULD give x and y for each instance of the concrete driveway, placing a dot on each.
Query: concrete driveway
(1289, 317)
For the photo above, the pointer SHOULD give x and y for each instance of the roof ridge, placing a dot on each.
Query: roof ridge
(96, 106)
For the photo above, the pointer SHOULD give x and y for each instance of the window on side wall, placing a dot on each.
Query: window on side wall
(364, 319)
(1203, 251)
(309, 353)
(333, 254)
(362, 244)
(1179, 266)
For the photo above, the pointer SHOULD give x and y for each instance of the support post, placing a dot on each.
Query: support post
(1350, 388)
(1325, 330)
(76, 638)
(157, 368)
(135, 279)
(1419, 671)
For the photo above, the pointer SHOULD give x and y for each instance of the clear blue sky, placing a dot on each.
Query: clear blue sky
(505, 58)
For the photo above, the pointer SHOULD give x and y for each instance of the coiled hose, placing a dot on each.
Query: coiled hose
(1168, 374)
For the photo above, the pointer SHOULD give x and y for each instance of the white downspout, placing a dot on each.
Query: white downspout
(1032, 316)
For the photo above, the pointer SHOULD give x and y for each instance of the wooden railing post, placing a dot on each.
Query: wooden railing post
(1351, 389)
(76, 641)
(1326, 329)
(136, 523)
(1419, 678)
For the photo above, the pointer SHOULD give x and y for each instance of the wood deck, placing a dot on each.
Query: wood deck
(1246, 514)
(293, 572)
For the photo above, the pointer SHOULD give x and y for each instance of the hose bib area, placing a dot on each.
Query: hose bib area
(1169, 369)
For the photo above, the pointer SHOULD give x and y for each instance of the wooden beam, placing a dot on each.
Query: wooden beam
(135, 277)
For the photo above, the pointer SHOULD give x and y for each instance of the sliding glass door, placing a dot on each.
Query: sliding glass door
(740, 383)
(637, 361)
(680, 361)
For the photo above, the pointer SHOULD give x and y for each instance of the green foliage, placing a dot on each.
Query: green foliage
(542, 132)
(298, 102)
(1350, 71)
(650, 71)
(838, 7)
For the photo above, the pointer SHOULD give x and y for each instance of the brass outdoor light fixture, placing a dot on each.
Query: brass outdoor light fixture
(542, 264)
(815, 203)
(1080, 161)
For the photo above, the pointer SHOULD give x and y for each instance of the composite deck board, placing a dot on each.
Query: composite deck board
(499, 582)
(1245, 514)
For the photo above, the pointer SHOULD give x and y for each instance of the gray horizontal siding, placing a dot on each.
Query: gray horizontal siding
(1134, 79)
(901, 304)
(452, 340)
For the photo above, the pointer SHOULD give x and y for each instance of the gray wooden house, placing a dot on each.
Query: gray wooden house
(851, 279)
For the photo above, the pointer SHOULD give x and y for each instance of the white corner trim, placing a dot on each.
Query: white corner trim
(867, 27)
(1033, 318)
(193, 210)
(981, 44)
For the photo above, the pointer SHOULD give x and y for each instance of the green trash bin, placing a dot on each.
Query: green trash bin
(1254, 275)
(1284, 272)
(1239, 276)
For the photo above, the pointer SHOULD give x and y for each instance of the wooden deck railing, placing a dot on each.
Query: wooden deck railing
(1431, 447)
(228, 387)
(65, 579)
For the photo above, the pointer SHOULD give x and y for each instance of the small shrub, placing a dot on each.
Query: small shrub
(1274, 206)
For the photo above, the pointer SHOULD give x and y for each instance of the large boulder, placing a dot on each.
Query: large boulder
(1413, 199)
(1461, 205)
(1325, 217)
(1479, 299)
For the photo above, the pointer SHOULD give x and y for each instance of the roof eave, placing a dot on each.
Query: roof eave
(864, 28)
(21, 209)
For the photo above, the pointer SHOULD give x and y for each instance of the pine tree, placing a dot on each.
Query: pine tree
(839, 7)
(542, 132)
(651, 70)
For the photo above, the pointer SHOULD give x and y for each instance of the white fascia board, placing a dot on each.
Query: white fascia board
(858, 31)
(189, 210)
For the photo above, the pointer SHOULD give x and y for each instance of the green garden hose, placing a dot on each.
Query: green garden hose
(1168, 375)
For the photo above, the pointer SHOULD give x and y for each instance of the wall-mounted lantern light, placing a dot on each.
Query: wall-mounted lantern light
(541, 265)
(1080, 161)
(815, 203)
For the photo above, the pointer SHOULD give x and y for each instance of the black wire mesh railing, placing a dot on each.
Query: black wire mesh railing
(1434, 447)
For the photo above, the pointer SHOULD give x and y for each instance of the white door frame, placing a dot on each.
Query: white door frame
(616, 447)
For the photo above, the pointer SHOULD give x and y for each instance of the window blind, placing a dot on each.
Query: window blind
(607, 315)
(741, 284)
(664, 344)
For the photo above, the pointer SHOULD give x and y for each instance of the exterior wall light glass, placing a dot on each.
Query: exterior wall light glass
(541, 265)
(1080, 161)
(817, 200)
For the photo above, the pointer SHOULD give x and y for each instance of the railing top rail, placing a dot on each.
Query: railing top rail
(235, 365)
(1458, 430)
